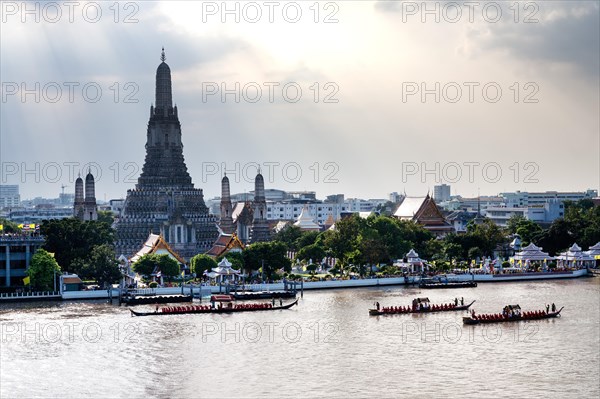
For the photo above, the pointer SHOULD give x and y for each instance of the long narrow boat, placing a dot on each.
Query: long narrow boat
(249, 295)
(155, 299)
(449, 284)
(198, 309)
(486, 319)
(426, 309)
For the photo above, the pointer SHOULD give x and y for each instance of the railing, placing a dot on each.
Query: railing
(35, 294)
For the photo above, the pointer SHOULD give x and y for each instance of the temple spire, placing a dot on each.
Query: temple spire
(164, 98)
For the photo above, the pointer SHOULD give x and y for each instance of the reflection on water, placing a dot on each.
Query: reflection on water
(326, 346)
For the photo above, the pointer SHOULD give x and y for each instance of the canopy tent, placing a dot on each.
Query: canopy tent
(575, 257)
(224, 272)
(594, 250)
(532, 252)
(413, 262)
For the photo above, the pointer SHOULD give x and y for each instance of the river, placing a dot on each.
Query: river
(328, 345)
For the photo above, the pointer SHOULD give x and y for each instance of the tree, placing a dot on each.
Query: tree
(235, 258)
(8, 226)
(313, 251)
(474, 253)
(306, 238)
(70, 239)
(168, 266)
(146, 265)
(42, 270)
(201, 263)
(106, 217)
(102, 266)
(289, 235)
(271, 255)
(527, 229)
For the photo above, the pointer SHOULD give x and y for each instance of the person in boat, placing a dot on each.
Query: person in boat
(280, 302)
(377, 304)
(553, 308)
(462, 301)
(273, 301)
(547, 308)
(455, 301)
(157, 308)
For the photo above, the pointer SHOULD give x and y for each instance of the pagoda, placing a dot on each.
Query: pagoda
(164, 200)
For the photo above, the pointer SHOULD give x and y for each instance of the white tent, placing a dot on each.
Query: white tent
(224, 272)
(575, 257)
(532, 252)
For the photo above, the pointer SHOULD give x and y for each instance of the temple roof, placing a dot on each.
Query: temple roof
(424, 211)
(153, 244)
(225, 243)
(305, 221)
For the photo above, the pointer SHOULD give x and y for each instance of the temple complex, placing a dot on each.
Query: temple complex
(164, 200)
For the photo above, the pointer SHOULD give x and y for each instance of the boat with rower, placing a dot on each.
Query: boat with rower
(445, 281)
(512, 313)
(420, 305)
(219, 304)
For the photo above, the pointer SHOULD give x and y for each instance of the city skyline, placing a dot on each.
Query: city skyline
(379, 137)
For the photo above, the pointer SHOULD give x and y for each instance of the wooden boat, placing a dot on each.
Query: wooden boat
(155, 299)
(519, 316)
(423, 306)
(431, 283)
(249, 295)
(211, 309)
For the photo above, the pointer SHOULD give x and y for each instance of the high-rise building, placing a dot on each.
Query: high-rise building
(9, 196)
(164, 200)
(441, 193)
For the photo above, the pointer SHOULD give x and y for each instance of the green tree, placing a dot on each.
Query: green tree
(201, 263)
(289, 236)
(146, 265)
(270, 254)
(9, 226)
(102, 266)
(235, 258)
(474, 253)
(42, 270)
(306, 238)
(106, 217)
(316, 252)
(70, 239)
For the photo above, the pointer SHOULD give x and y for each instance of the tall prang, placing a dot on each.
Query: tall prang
(226, 221)
(164, 200)
(260, 226)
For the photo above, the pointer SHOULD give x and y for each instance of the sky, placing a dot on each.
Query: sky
(356, 97)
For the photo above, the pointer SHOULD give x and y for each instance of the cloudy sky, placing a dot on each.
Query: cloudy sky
(362, 98)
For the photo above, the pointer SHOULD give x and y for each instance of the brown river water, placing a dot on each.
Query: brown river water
(327, 346)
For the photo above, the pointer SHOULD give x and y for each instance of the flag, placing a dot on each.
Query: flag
(1, 227)
(20, 226)
(183, 274)
(597, 257)
(159, 274)
(26, 280)
(32, 226)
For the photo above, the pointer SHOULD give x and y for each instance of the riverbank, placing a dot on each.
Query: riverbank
(207, 290)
